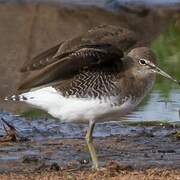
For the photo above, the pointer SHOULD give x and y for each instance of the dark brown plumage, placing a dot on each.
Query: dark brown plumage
(100, 46)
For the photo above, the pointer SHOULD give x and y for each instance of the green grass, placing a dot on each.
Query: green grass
(35, 114)
(167, 50)
(167, 45)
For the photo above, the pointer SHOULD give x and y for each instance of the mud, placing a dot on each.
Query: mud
(52, 145)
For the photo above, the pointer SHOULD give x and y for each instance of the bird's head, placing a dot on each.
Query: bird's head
(144, 61)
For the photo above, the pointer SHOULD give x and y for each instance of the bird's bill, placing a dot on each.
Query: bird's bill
(164, 74)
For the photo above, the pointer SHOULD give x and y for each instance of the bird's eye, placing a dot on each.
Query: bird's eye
(142, 62)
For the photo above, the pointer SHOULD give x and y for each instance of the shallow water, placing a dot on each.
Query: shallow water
(41, 128)
(159, 108)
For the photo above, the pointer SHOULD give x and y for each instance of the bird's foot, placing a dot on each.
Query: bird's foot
(98, 168)
(12, 134)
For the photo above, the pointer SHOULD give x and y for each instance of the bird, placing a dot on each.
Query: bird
(98, 76)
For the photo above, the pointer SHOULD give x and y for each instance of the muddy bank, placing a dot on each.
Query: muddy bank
(56, 146)
(113, 173)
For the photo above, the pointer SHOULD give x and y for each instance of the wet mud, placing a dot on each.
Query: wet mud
(51, 145)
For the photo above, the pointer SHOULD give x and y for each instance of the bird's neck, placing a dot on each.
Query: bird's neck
(137, 87)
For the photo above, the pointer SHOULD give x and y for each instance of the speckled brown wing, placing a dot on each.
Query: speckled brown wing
(41, 60)
(117, 36)
(86, 57)
(96, 47)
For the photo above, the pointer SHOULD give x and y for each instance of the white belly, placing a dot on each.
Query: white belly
(72, 108)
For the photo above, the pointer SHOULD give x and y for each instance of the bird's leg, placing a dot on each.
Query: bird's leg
(89, 140)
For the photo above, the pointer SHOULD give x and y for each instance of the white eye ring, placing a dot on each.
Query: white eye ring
(142, 62)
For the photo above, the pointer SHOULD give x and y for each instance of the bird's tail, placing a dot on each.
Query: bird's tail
(15, 98)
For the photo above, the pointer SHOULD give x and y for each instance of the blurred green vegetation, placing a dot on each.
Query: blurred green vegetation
(36, 113)
(167, 49)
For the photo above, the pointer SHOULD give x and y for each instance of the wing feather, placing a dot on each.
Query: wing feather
(99, 46)
(66, 67)
(41, 60)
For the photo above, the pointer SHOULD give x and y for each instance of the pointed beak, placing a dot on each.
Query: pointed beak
(164, 74)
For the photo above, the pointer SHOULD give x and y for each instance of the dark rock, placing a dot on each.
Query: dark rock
(54, 166)
(31, 158)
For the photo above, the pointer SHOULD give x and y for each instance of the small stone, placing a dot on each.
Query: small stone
(84, 161)
(54, 166)
(30, 158)
(167, 151)
(146, 155)
(177, 135)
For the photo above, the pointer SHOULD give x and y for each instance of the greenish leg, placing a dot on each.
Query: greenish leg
(89, 140)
